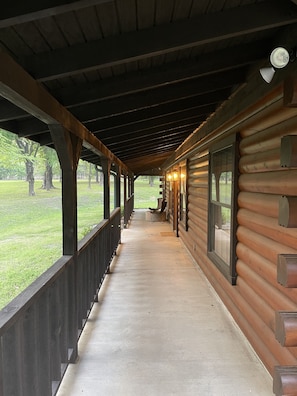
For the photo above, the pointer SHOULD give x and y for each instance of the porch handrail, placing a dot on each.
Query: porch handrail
(40, 328)
(129, 206)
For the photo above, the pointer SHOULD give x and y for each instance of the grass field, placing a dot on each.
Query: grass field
(31, 230)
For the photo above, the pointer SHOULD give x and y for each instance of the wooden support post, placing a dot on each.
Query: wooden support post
(132, 184)
(287, 216)
(288, 151)
(132, 191)
(287, 270)
(125, 202)
(286, 328)
(285, 381)
(105, 163)
(68, 147)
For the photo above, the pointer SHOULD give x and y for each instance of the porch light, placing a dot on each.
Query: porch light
(279, 58)
(175, 175)
(172, 176)
(267, 73)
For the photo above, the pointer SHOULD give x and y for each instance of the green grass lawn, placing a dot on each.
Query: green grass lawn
(31, 227)
(146, 196)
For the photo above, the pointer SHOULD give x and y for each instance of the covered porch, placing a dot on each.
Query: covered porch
(159, 328)
(158, 89)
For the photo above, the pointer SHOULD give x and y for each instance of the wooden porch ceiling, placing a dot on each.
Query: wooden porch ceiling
(141, 75)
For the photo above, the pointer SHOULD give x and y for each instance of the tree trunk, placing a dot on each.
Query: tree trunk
(90, 175)
(48, 178)
(30, 176)
(99, 176)
(96, 174)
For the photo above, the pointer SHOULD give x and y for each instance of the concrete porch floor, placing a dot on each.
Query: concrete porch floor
(159, 328)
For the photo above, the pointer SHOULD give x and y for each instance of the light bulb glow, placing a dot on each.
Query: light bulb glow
(279, 57)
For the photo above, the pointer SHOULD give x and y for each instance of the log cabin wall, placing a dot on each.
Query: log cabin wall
(168, 197)
(260, 237)
(257, 297)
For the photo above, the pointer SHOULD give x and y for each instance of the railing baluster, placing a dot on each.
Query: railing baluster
(30, 363)
(55, 331)
(63, 293)
(72, 314)
(12, 361)
(43, 349)
(1, 369)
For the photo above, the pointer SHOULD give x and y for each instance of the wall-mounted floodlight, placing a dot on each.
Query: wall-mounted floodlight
(279, 58)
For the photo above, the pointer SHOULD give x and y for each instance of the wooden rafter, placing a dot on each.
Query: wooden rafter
(161, 39)
(25, 11)
(177, 72)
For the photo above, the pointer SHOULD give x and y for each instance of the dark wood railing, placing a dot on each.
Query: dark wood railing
(129, 206)
(40, 328)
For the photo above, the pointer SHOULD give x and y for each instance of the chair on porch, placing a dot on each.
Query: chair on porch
(161, 206)
(159, 213)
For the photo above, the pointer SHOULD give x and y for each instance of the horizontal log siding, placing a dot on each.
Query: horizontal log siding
(274, 114)
(257, 294)
(260, 238)
(260, 162)
(197, 206)
(169, 201)
(251, 311)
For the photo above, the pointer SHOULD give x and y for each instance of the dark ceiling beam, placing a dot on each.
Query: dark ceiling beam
(20, 11)
(138, 153)
(151, 143)
(8, 111)
(161, 39)
(192, 122)
(10, 126)
(158, 96)
(126, 122)
(154, 124)
(87, 155)
(150, 132)
(168, 112)
(44, 139)
(294, 1)
(150, 137)
(149, 148)
(148, 164)
(26, 127)
(215, 62)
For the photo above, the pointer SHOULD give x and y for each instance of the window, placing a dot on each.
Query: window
(183, 209)
(112, 198)
(223, 176)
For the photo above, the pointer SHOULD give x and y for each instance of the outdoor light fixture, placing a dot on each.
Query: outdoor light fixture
(279, 58)
(267, 73)
(172, 176)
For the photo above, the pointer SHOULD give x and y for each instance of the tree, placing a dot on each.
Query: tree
(99, 174)
(29, 150)
(90, 175)
(151, 181)
(11, 164)
(50, 160)
(15, 152)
